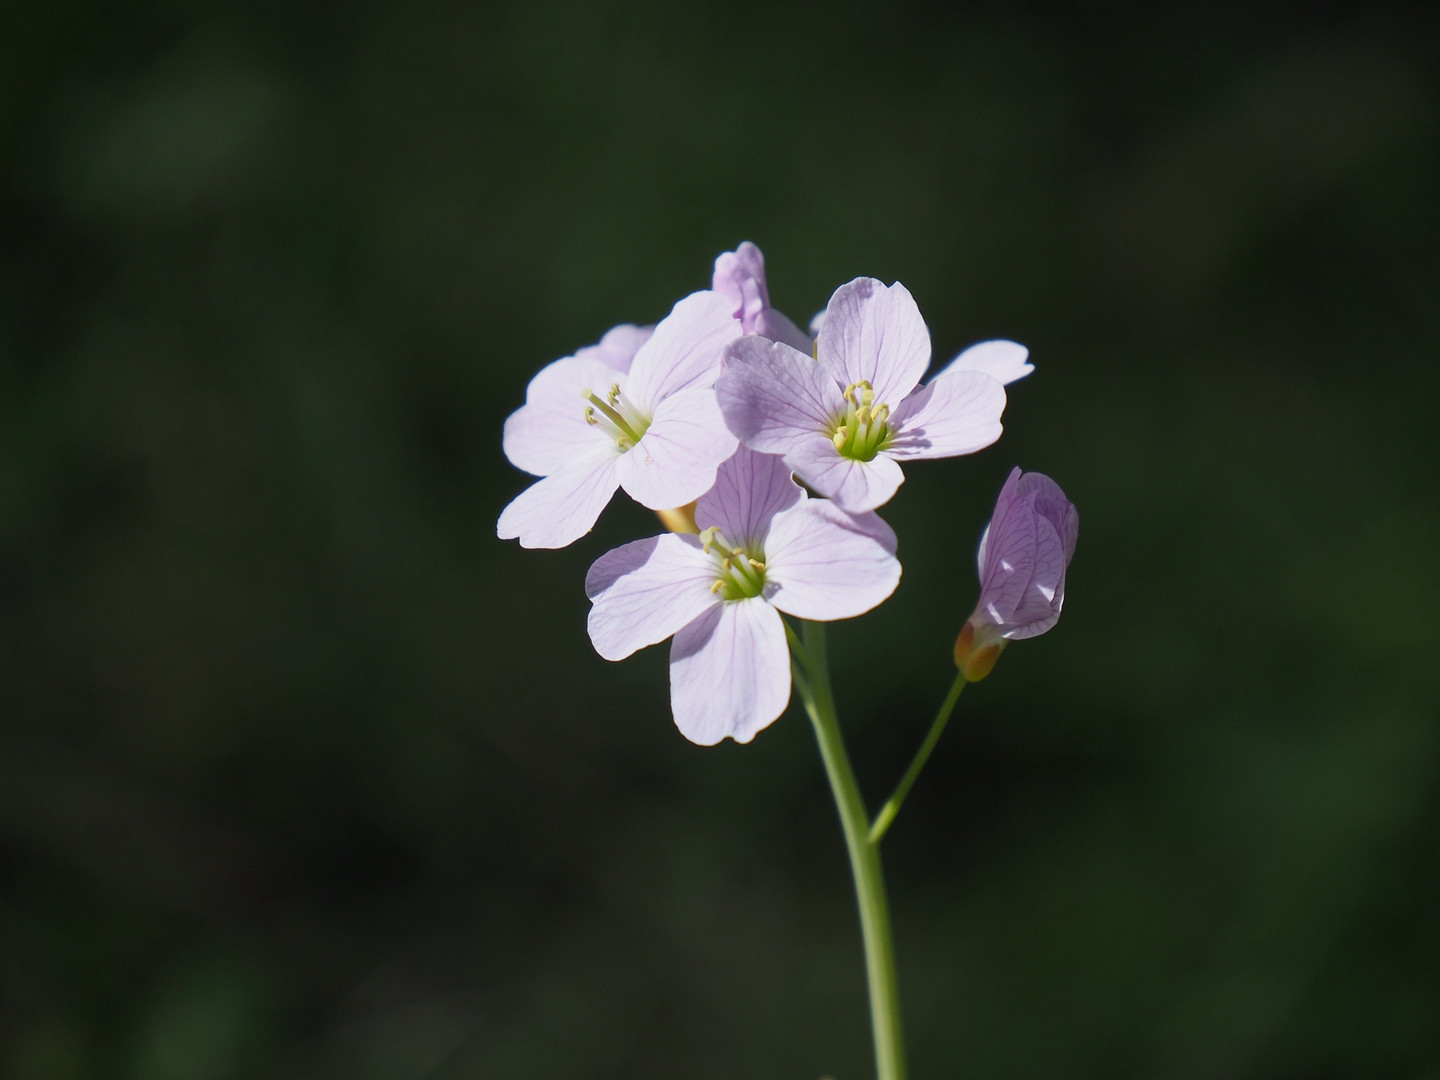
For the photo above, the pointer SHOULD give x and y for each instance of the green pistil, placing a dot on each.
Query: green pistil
(621, 420)
(741, 575)
(863, 431)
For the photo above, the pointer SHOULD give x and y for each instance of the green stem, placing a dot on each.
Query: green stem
(864, 854)
(892, 804)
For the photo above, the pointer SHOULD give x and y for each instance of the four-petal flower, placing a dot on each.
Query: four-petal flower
(764, 548)
(845, 419)
(589, 426)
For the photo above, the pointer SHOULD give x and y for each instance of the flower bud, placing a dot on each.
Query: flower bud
(1023, 558)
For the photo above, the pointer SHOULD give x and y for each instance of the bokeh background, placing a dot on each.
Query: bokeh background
(303, 774)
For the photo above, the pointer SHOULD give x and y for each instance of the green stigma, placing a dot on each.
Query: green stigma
(741, 574)
(863, 431)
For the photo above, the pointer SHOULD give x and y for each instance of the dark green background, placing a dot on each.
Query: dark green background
(305, 775)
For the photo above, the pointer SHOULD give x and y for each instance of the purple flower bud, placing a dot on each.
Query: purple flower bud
(1023, 555)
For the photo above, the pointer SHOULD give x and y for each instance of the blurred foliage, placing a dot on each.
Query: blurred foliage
(303, 774)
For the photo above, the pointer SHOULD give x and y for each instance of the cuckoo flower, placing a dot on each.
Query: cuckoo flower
(593, 422)
(1023, 555)
(844, 420)
(764, 548)
(740, 275)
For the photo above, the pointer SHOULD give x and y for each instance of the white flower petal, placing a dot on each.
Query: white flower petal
(873, 332)
(645, 591)
(619, 345)
(685, 349)
(674, 463)
(957, 414)
(1003, 360)
(556, 511)
(855, 486)
(826, 564)
(730, 672)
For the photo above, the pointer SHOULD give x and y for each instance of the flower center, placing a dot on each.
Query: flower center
(862, 431)
(617, 415)
(739, 575)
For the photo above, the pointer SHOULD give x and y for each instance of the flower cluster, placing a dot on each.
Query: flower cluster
(724, 405)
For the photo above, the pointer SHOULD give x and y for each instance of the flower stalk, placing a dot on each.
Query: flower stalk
(902, 789)
(819, 698)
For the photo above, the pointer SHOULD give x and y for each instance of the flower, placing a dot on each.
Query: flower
(600, 419)
(1023, 556)
(740, 275)
(764, 547)
(844, 420)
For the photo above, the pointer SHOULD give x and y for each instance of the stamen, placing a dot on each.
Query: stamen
(739, 575)
(864, 429)
(622, 421)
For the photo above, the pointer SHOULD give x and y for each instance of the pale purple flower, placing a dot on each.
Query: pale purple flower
(740, 275)
(1023, 556)
(764, 548)
(647, 422)
(844, 420)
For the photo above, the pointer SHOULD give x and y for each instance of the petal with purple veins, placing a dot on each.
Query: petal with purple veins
(855, 486)
(874, 333)
(826, 564)
(750, 489)
(562, 507)
(958, 414)
(730, 672)
(674, 462)
(645, 591)
(685, 350)
(772, 395)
